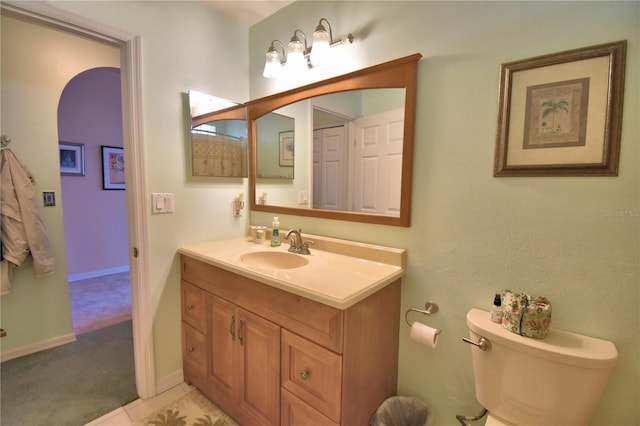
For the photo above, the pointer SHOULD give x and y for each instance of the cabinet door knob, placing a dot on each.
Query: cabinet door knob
(304, 374)
(191, 349)
(189, 307)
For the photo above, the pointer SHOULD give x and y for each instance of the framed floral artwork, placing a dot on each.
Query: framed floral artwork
(112, 167)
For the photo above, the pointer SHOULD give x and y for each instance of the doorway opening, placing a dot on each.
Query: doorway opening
(131, 69)
(95, 218)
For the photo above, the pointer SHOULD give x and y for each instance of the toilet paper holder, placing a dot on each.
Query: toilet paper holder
(430, 308)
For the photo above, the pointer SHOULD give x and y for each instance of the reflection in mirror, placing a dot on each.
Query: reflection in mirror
(354, 137)
(362, 177)
(218, 136)
(275, 146)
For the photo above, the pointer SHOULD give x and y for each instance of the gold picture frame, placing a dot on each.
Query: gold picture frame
(561, 114)
(287, 146)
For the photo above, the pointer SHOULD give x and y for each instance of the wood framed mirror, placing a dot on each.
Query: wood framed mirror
(362, 175)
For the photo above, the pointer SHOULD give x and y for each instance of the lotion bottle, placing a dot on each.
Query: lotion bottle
(275, 234)
(496, 309)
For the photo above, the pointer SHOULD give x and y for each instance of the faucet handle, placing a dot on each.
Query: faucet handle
(305, 246)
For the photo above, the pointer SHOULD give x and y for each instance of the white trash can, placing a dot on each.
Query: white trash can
(402, 411)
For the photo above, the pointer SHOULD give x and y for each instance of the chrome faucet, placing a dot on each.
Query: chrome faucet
(296, 245)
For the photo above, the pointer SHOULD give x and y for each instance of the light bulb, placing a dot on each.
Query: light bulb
(295, 56)
(272, 65)
(321, 46)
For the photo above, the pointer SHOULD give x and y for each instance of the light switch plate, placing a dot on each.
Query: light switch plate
(162, 202)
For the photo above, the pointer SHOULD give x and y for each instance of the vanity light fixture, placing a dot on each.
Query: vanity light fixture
(300, 56)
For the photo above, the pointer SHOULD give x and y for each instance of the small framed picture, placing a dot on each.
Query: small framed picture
(71, 159)
(112, 167)
(561, 114)
(287, 147)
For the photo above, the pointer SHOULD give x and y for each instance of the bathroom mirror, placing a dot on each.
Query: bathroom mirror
(368, 180)
(218, 136)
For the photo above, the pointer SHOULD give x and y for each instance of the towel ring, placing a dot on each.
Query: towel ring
(430, 308)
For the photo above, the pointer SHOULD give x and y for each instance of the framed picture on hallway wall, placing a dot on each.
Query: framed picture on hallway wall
(71, 158)
(112, 167)
(561, 114)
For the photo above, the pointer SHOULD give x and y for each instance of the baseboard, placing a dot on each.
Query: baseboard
(169, 381)
(98, 273)
(37, 347)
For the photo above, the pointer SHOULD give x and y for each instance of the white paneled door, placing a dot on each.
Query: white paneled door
(377, 163)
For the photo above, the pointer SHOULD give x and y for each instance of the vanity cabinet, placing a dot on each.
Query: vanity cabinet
(267, 356)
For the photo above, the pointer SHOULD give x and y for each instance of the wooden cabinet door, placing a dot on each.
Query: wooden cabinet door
(224, 346)
(259, 342)
(296, 413)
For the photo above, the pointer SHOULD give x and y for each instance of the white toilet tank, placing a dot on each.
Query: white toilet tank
(523, 381)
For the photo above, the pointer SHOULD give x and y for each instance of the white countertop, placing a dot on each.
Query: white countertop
(340, 273)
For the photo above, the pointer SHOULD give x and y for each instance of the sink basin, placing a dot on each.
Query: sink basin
(273, 260)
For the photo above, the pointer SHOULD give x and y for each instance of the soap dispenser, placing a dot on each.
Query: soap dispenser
(275, 233)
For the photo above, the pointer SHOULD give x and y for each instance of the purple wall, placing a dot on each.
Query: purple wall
(95, 220)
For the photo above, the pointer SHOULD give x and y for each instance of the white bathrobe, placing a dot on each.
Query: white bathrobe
(22, 228)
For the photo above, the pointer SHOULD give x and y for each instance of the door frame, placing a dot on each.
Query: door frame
(131, 78)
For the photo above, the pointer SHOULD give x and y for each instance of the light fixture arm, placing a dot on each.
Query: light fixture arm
(272, 48)
(346, 39)
(304, 37)
(321, 27)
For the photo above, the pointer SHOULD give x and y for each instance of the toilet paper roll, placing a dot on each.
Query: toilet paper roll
(424, 334)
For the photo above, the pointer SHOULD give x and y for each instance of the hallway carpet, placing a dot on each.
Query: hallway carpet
(71, 384)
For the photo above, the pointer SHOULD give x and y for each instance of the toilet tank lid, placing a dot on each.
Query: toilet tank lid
(559, 345)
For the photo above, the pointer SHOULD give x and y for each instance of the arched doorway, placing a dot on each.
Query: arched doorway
(95, 219)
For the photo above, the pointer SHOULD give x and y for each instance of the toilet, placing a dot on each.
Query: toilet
(523, 381)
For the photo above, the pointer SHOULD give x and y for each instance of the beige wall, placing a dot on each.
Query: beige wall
(38, 310)
(184, 47)
(473, 234)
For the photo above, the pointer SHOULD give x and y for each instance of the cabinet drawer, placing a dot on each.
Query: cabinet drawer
(194, 306)
(194, 349)
(295, 412)
(312, 373)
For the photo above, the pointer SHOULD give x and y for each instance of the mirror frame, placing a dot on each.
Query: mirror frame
(236, 112)
(399, 73)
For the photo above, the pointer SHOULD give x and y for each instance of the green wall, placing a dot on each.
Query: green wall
(473, 234)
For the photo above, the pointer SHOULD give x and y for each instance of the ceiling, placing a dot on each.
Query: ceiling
(247, 12)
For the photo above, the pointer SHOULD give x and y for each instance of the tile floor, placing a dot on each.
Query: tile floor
(141, 408)
(100, 302)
